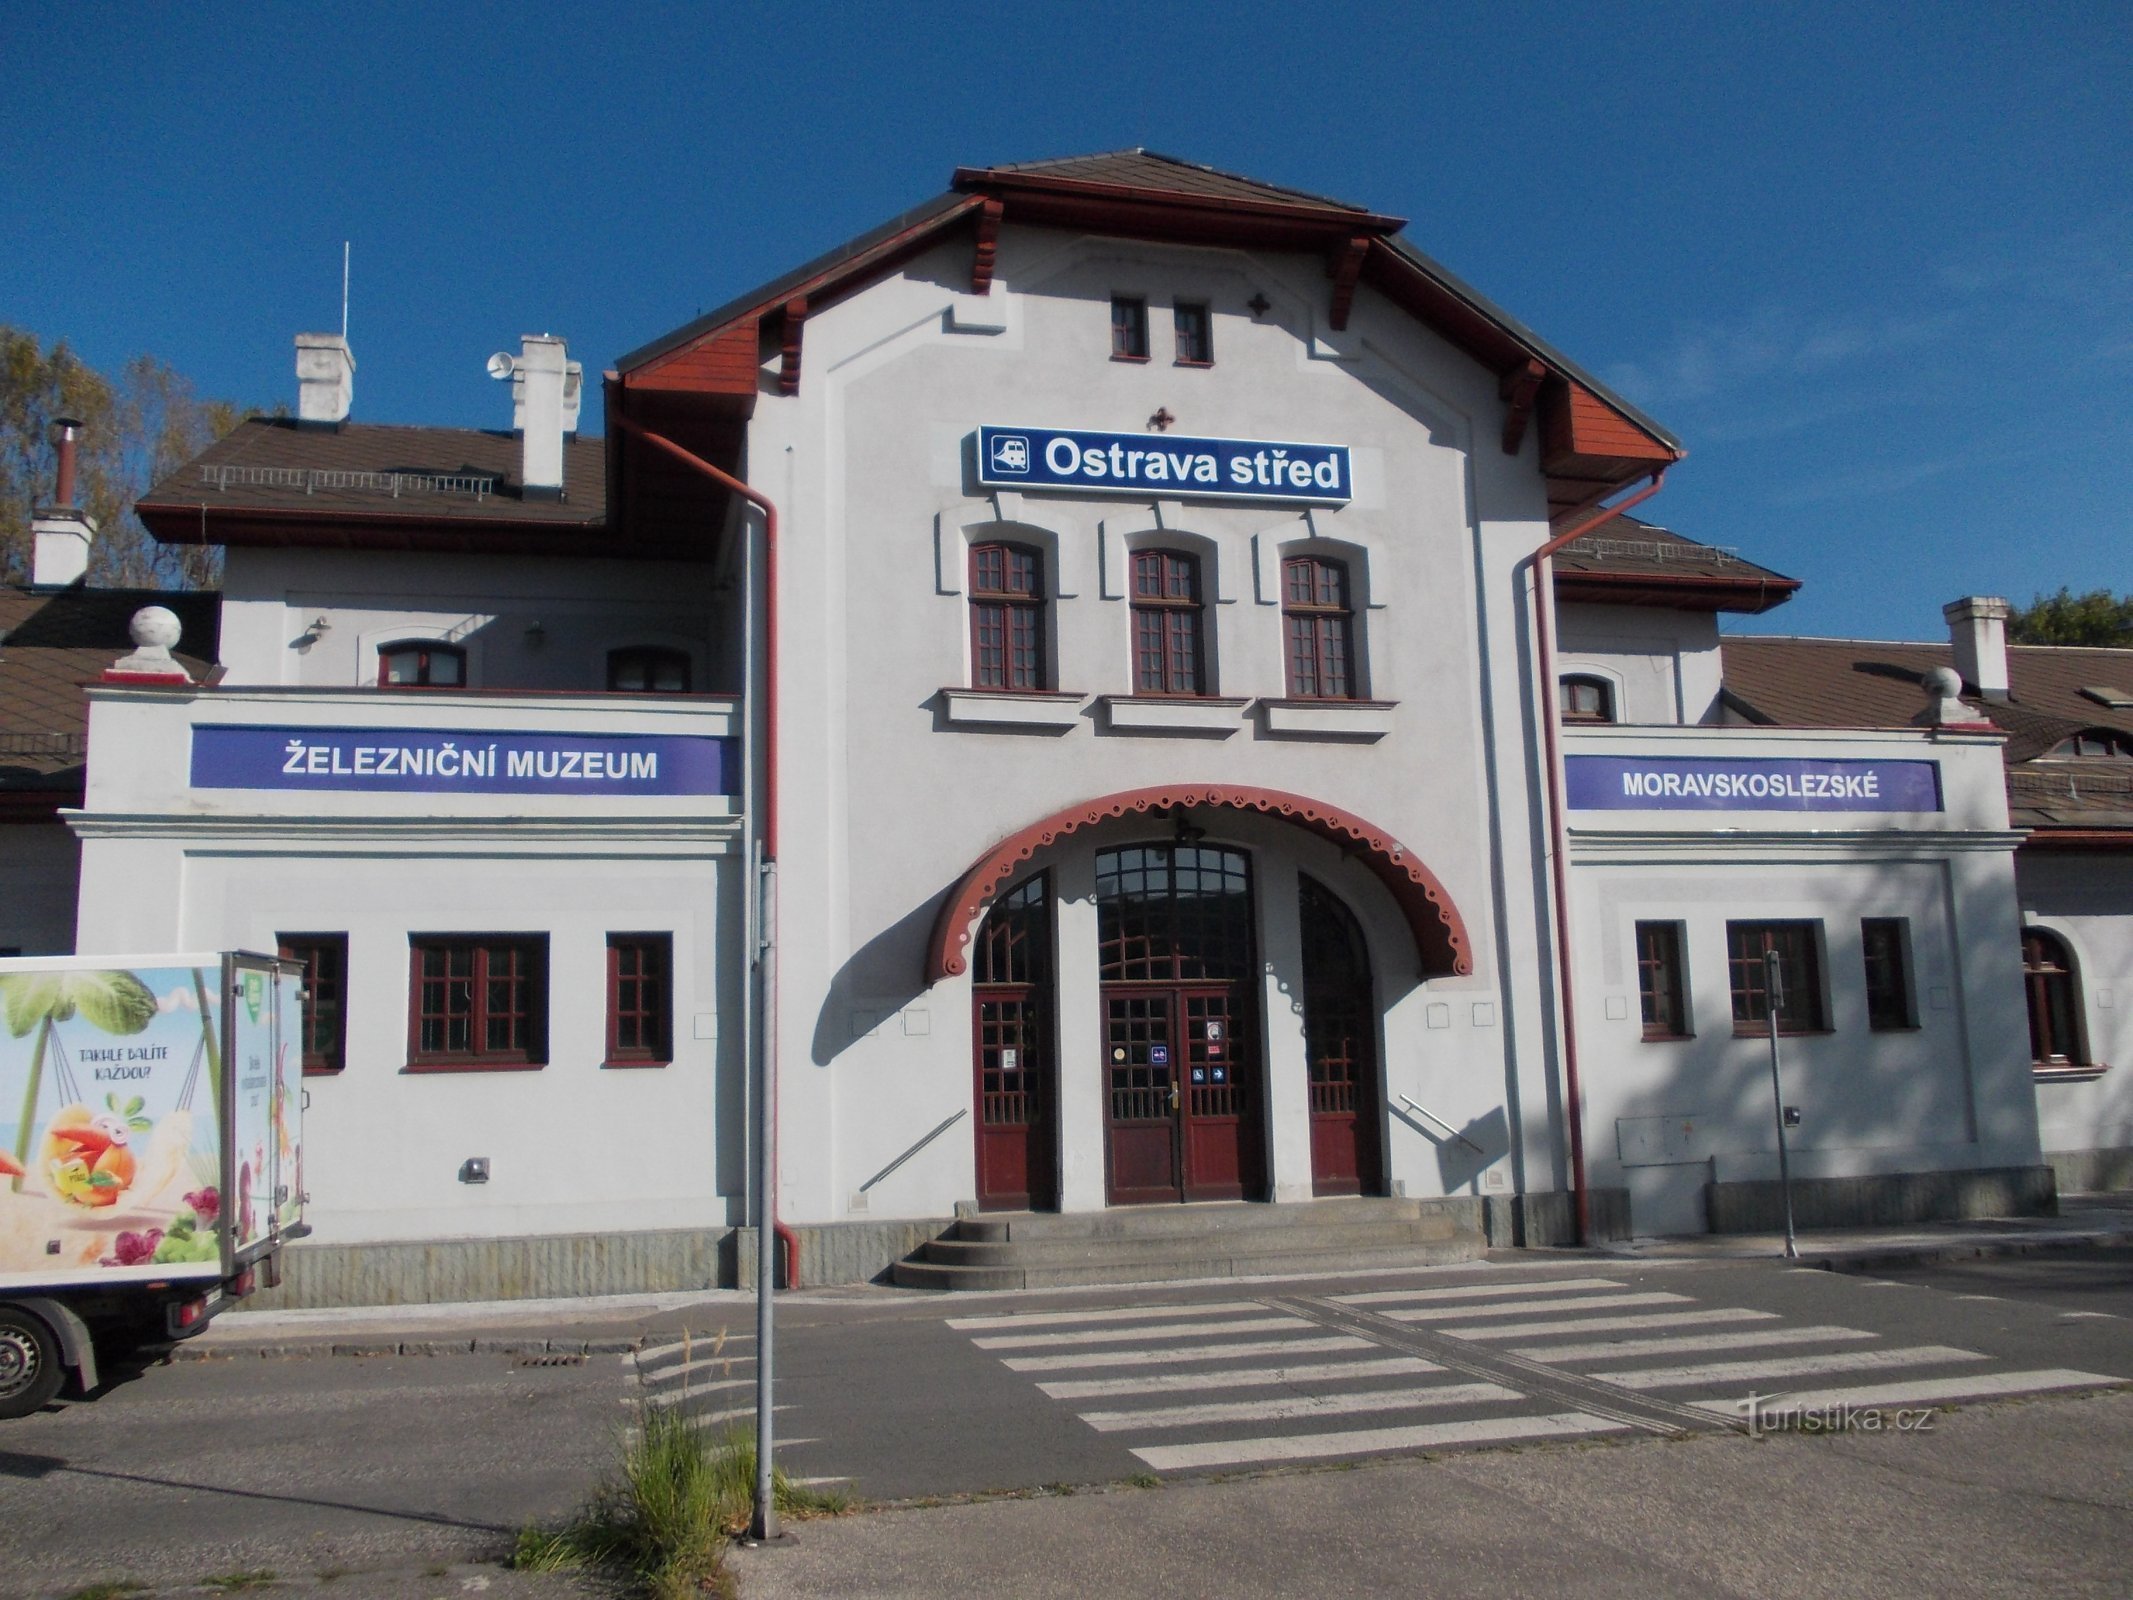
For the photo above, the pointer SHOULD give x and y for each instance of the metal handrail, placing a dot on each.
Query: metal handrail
(1422, 1110)
(945, 1125)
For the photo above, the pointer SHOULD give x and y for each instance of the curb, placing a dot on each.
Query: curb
(1976, 1250)
(405, 1347)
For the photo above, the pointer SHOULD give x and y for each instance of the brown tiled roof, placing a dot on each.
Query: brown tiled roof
(1631, 561)
(1149, 170)
(276, 464)
(54, 641)
(1857, 683)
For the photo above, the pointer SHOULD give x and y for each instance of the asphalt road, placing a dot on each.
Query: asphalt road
(407, 1467)
(2095, 1278)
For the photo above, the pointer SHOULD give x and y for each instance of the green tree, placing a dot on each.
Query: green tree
(137, 428)
(2095, 618)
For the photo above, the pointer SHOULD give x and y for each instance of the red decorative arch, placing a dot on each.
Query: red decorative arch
(1440, 934)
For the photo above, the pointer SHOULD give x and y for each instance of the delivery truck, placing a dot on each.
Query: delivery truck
(154, 1166)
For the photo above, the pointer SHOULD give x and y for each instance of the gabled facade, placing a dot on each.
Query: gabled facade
(1106, 602)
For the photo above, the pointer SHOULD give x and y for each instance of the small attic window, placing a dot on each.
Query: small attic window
(2094, 744)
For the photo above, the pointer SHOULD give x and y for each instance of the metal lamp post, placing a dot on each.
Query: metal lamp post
(1774, 995)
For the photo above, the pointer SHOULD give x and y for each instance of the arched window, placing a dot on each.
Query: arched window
(1167, 612)
(1585, 698)
(1007, 617)
(2054, 1000)
(422, 664)
(2092, 744)
(648, 669)
(1319, 625)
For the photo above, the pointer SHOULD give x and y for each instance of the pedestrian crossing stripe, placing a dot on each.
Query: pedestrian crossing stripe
(1187, 1330)
(1924, 1391)
(1656, 1319)
(1372, 1441)
(1520, 1308)
(1239, 1378)
(1209, 1352)
(1319, 1405)
(1921, 1355)
(1043, 1319)
(1687, 1343)
(1473, 1291)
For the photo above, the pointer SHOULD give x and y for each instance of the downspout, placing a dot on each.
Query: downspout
(768, 831)
(1559, 831)
(764, 1522)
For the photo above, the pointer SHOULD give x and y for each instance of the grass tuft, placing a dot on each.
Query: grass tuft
(231, 1582)
(112, 1590)
(665, 1517)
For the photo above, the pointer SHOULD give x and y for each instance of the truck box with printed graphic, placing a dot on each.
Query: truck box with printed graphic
(151, 1152)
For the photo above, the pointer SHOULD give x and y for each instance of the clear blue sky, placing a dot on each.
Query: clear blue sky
(1874, 263)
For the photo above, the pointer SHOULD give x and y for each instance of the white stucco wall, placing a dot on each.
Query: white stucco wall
(573, 1146)
(1664, 664)
(1950, 1093)
(533, 624)
(2087, 900)
(868, 463)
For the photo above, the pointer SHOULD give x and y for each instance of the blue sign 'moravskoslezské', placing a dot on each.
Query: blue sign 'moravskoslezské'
(435, 761)
(1162, 466)
(1690, 783)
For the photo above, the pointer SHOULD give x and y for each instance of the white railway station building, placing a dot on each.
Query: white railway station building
(1167, 730)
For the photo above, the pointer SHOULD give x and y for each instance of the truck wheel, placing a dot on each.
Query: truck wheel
(30, 1370)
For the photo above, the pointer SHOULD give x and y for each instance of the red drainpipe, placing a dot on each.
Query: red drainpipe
(1559, 832)
(768, 832)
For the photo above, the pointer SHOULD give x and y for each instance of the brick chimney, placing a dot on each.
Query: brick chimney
(61, 533)
(1977, 628)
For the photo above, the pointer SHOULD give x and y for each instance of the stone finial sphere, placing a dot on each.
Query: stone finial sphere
(155, 628)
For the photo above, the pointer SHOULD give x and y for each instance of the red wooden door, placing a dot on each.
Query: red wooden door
(1011, 1047)
(1182, 1121)
(1340, 1048)
(1141, 1135)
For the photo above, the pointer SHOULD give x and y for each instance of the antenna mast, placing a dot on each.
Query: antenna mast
(344, 291)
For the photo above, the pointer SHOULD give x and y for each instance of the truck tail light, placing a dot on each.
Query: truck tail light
(241, 1285)
(188, 1312)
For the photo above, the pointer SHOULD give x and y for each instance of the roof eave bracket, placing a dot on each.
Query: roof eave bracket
(988, 245)
(1346, 269)
(1519, 388)
(789, 353)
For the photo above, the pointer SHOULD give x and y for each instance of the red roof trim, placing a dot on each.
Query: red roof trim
(1751, 596)
(1322, 212)
(1439, 932)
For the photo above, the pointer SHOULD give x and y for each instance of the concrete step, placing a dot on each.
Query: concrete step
(916, 1274)
(1157, 1244)
(1209, 1217)
(1390, 1235)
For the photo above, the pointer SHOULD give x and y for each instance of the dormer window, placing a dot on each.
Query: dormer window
(1586, 699)
(422, 664)
(648, 669)
(2095, 744)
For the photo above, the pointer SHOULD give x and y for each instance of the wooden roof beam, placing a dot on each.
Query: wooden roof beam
(988, 245)
(1519, 388)
(1345, 269)
(789, 351)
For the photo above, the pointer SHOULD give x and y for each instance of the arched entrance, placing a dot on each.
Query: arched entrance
(1340, 1018)
(1016, 1090)
(1184, 1101)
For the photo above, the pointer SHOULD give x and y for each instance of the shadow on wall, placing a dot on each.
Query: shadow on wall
(1464, 1156)
(885, 974)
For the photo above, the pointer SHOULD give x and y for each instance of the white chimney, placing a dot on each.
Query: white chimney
(541, 375)
(61, 533)
(325, 378)
(1977, 628)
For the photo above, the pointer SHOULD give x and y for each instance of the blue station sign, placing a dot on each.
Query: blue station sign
(1690, 783)
(1162, 466)
(437, 761)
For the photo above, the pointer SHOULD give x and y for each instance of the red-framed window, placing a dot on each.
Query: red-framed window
(1585, 699)
(325, 1011)
(1007, 617)
(640, 999)
(1799, 1002)
(421, 664)
(1129, 328)
(1884, 943)
(1662, 980)
(648, 669)
(477, 1001)
(1319, 626)
(1167, 614)
(1195, 329)
(2054, 991)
